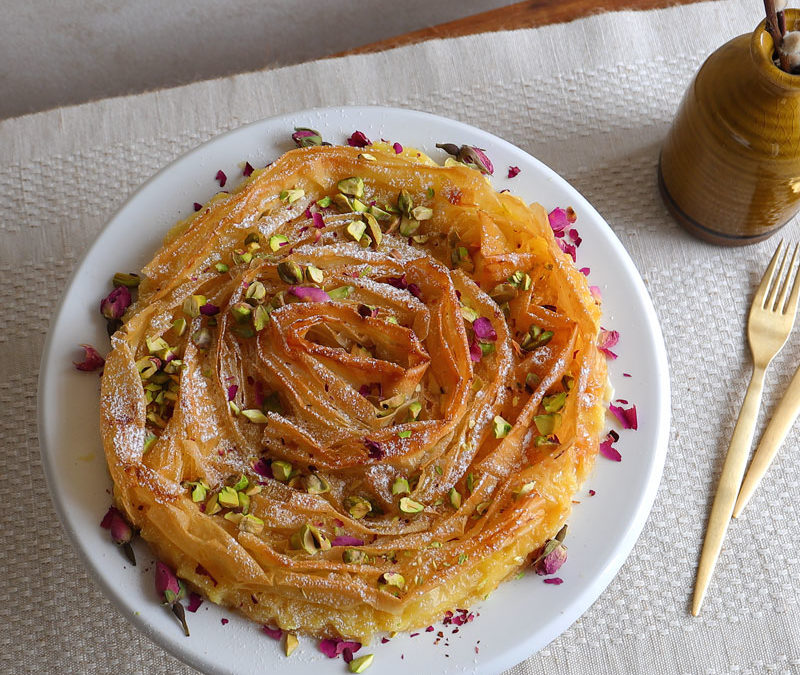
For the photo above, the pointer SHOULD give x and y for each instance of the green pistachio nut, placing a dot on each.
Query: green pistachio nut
(281, 470)
(408, 505)
(357, 507)
(400, 486)
(353, 555)
(316, 484)
(127, 280)
(352, 186)
(290, 272)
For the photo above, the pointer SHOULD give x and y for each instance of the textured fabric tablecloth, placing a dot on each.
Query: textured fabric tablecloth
(593, 99)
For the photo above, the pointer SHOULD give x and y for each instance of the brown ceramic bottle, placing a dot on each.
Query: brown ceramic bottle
(729, 170)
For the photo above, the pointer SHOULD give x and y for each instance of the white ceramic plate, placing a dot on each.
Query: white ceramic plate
(523, 615)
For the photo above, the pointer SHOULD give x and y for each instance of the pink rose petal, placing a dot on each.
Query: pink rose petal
(626, 416)
(319, 222)
(397, 148)
(91, 360)
(310, 293)
(513, 171)
(333, 648)
(194, 603)
(606, 340)
(475, 352)
(556, 581)
(232, 391)
(347, 540)
(248, 169)
(569, 249)
(197, 206)
(596, 294)
(221, 177)
(607, 449)
(484, 330)
(274, 633)
(224, 622)
(558, 219)
(584, 271)
(358, 140)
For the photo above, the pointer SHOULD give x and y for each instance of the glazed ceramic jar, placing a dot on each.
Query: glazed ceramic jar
(729, 170)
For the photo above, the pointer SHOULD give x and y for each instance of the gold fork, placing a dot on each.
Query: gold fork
(769, 324)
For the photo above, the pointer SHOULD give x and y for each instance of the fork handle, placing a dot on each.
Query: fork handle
(728, 488)
(774, 435)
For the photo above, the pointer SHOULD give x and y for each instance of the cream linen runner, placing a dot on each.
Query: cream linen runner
(592, 99)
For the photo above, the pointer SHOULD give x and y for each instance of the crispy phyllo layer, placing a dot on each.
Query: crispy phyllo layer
(357, 392)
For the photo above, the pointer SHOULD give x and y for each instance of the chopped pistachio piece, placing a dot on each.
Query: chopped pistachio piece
(535, 338)
(324, 203)
(352, 186)
(357, 507)
(404, 434)
(481, 508)
(568, 382)
(555, 402)
(252, 238)
(228, 497)
(256, 291)
(405, 203)
(212, 505)
(468, 314)
(379, 213)
(422, 213)
(221, 267)
(127, 280)
(201, 338)
(260, 318)
(408, 226)
(470, 482)
(241, 312)
(532, 381)
(241, 257)
(148, 442)
(393, 579)
(253, 489)
(414, 409)
(199, 491)
(501, 427)
(309, 539)
(316, 484)
(252, 524)
(503, 293)
(375, 232)
(234, 517)
(255, 416)
(241, 483)
(455, 498)
(291, 196)
(353, 555)
(541, 441)
(290, 272)
(526, 489)
(314, 274)
(179, 326)
(281, 470)
(147, 366)
(366, 156)
(400, 486)
(360, 664)
(343, 202)
(277, 241)
(547, 424)
(356, 229)
(192, 305)
(408, 505)
(359, 206)
(291, 643)
(340, 293)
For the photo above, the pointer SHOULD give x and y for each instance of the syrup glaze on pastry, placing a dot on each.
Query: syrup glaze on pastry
(357, 392)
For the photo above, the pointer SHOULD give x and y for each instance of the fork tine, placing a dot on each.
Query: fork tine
(775, 284)
(791, 305)
(766, 280)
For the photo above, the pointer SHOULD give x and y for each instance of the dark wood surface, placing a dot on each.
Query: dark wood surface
(519, 15)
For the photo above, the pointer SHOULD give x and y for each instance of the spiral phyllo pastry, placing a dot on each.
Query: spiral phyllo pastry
(357, 392)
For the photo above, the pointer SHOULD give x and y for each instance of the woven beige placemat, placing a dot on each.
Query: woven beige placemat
(592, 99)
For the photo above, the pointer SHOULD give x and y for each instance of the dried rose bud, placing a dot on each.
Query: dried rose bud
(469, 155)
(476, 158)
(121, 532)
(114, 305)
(171, 589)
(305, 138)
(358, 140)
(91, 360)
(553, 555)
